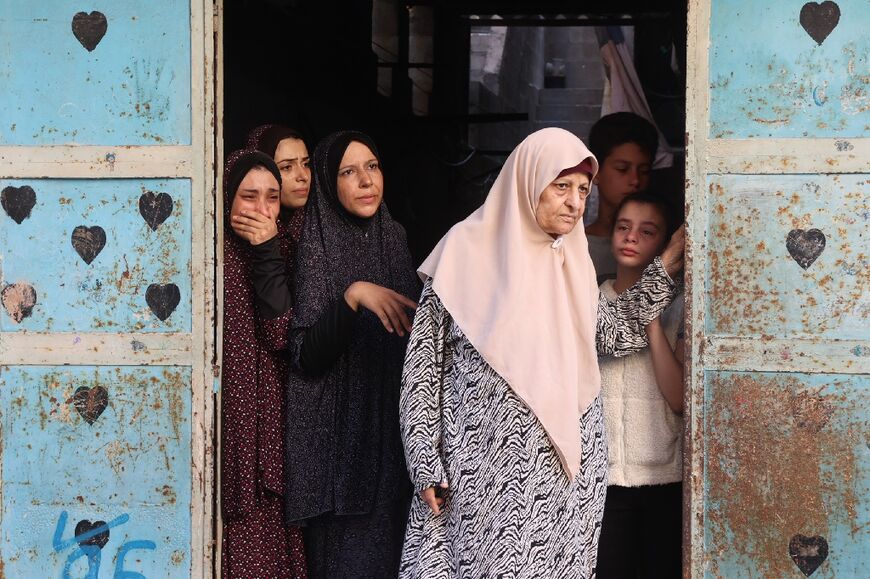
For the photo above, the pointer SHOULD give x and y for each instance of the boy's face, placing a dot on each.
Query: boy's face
(625, 170)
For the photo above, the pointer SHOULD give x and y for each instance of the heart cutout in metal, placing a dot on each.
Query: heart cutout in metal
(162, 299)
(88, 241)
(85, 526)
(805, 246)
(17, 202)
(89, 29)
(18, 300)
(808, 552)
(155, 208)
(90, 402)
(819, 20)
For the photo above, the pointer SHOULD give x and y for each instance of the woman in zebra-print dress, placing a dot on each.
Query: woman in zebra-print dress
(500, 413)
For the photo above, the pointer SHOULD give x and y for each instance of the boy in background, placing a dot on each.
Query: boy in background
(625, 145)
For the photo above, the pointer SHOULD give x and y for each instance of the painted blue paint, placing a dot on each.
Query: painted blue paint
(120, 571)
(107, 295)
(60, 545)
(769, 78)
(751, 511)
(93, 553)
(130, 467)
(132, 89)
(755, 287)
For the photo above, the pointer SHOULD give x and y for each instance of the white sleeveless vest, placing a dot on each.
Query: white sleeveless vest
(644, 434)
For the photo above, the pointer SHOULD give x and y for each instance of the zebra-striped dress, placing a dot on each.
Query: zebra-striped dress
(510, 510)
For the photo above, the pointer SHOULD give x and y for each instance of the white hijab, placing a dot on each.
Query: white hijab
(527, 303)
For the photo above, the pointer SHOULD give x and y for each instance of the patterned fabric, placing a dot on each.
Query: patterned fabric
(510, 510)
(256, 543)
(621, 326)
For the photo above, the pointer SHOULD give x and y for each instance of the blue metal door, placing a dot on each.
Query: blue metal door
(106, 279)
(779, 289)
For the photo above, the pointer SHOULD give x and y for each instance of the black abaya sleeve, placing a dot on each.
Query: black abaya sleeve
(271, 280)
(327, 339)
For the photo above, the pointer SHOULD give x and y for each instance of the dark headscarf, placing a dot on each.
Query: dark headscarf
(343, 444)
(237, 166)
(265, 138)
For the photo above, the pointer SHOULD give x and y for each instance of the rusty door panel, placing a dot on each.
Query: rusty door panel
(778, 289)
(103, 255)
(117, 74)
(789, 256)
(787, 475)
(84, 445)
(771, 77)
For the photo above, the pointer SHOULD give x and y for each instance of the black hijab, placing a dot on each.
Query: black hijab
(344, 449)
(237, 166)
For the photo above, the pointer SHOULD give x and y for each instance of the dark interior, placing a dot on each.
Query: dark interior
(310, 64)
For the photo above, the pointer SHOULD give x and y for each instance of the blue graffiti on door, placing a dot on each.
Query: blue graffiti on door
(90, 538)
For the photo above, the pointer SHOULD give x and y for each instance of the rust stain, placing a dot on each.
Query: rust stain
(177, 557)
(776, 468)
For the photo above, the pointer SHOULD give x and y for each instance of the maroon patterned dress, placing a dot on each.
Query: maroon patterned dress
(256, 541)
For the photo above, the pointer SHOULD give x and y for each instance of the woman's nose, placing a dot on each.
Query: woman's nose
(573, 200)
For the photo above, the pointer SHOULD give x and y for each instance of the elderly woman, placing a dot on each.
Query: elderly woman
(500, 414)
(354, 288)
(256, 541)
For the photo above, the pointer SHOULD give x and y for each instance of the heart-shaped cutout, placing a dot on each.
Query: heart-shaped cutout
(85, 526)
(17, 202)
(162, 299)
(155, 208)
(808, 552)
(819, 20)
(805, 246)
(90, 402)
(88, 241)
(18, 300)
(89, 29)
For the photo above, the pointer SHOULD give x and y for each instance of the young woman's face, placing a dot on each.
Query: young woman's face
(257, 192)
(562, 202)
(638, 235)
(360, 181)
(625, 170)
(291, 156)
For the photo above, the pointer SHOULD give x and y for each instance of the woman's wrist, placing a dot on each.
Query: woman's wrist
(350, 296)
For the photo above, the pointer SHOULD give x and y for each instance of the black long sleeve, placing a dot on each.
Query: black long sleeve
(325, 341)
(271, 279)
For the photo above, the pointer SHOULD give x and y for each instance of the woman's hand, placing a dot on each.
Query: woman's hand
(254, 227)
(672, 256)
(430, 497)
(386, 304)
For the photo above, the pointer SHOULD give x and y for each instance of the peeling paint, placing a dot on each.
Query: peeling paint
(123, 82)
(60, 453)
(772, 268)
(94, 255)
(784, 459)
(812, 81)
